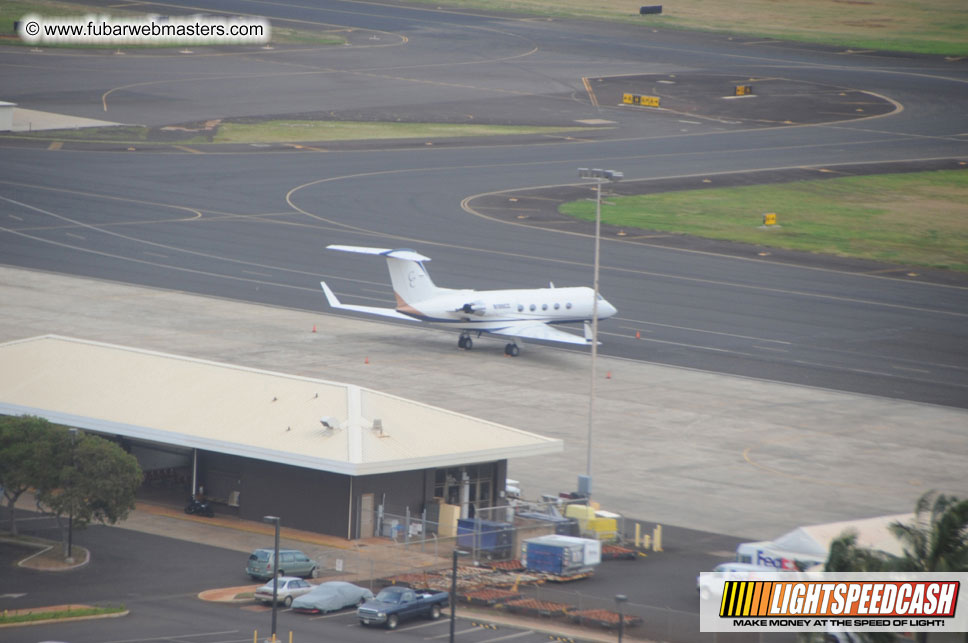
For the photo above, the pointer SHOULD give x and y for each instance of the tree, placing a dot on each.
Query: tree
(89, 479)
(846, 556)
(26, 443)
(937, 539)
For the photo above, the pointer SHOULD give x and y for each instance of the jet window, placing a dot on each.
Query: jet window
(532, 307)
(557, 306)
(544, 306)
(520, 307)
(568, 305)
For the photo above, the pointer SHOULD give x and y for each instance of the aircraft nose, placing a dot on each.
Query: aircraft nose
(606, 309)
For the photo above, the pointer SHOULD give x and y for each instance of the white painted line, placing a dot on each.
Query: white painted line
(507, 636)
(442, 636)
(418, 627)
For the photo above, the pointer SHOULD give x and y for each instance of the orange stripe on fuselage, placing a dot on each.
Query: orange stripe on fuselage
(405, 308)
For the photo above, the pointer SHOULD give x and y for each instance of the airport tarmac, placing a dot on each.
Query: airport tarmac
(719, 453)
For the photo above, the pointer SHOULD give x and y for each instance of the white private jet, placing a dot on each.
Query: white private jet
(511, 313)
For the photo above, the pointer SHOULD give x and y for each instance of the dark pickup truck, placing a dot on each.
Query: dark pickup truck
(395, 604)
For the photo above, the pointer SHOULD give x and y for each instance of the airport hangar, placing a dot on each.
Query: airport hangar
(320, 455)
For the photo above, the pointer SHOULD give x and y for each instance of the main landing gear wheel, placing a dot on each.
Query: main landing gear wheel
(465, 342)
(512, 350)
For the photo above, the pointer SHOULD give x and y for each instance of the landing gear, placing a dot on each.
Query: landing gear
(512, 350)
(465, 341)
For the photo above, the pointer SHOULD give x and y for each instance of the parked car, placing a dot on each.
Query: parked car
(289, 589)
(395, 604)
(292, 562)
(731, 571)
(332, 596)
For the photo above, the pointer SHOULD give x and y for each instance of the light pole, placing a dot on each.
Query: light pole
(619, 599)
(70, 519)
(275, 573)
(599, 176)
(453, 593)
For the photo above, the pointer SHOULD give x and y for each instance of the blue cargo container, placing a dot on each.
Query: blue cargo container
(491, 539)
(561, 555)
(563, 526)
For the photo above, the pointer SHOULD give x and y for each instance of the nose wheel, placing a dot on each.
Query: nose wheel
(512, 350)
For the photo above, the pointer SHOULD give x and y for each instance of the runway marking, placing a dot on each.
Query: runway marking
(55, 145)
(590, 92)
(185, 148)
(711, 332)
(908, 368)
(76, 236)
(15, 217)
(772, 348)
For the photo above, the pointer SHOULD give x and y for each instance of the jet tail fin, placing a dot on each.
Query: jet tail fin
(411, 282)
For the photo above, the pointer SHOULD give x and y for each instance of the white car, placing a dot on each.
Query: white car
(731, 571)
(289, 588)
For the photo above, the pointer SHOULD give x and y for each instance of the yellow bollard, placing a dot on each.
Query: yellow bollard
(290, 636)
(255, 636)
(657, 538)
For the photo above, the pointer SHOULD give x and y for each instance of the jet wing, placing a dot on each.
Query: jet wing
(370, 310)
(538, 330)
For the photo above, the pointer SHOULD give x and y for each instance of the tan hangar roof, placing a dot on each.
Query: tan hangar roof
(242, 411)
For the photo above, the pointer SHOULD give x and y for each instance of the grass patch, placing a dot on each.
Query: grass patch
(288, 131)
(29, 616)
(936, 27)
(293, 131)
(919, 218)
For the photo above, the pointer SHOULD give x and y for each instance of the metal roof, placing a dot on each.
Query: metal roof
(241, 411)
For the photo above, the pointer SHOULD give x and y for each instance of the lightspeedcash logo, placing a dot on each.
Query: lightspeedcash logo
(825, 601)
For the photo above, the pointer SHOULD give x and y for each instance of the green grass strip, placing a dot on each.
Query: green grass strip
(29, 617)
(294, 131)
(919, 218)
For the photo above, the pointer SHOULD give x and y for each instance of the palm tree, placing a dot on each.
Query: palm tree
(846, 556)
(935, 541)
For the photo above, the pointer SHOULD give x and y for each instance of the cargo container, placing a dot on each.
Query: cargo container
(563, 526)
(591, 525)
(561, 555)
(488, 538)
